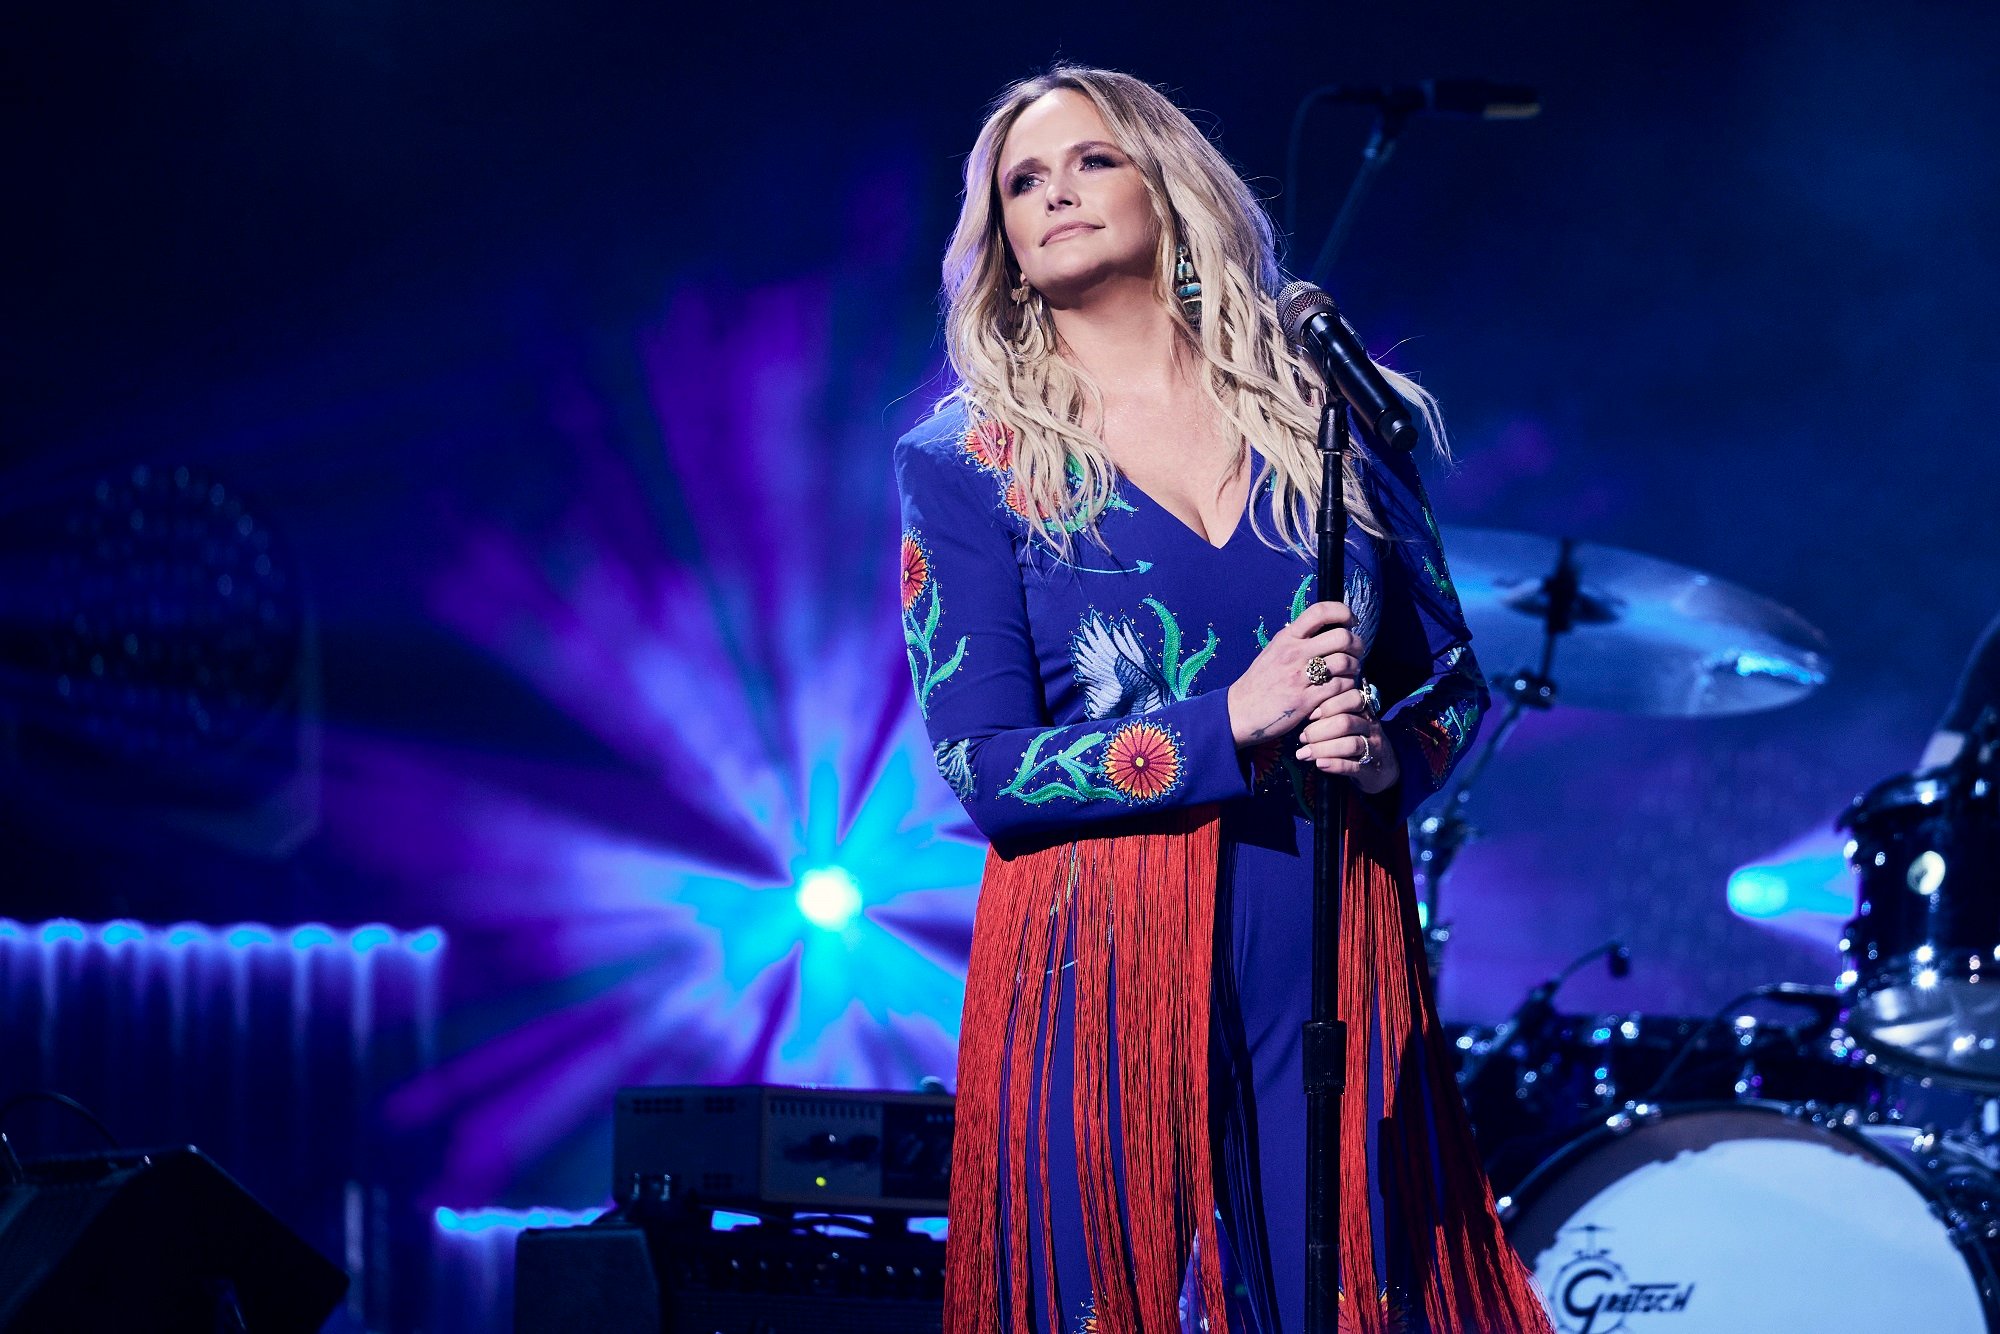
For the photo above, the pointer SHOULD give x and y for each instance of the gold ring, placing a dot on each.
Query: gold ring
(1316, 671)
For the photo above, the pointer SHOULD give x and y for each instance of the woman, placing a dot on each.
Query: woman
(1131, 684)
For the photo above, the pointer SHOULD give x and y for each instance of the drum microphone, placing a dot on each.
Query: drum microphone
(1315, 326)
(1534, 1013)
(1445, 97)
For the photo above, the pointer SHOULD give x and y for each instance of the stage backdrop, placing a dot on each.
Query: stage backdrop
(447, 492)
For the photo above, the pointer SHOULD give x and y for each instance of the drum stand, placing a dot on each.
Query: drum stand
(1440, 837)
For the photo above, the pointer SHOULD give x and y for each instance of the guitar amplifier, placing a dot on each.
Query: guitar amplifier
(761, 1145)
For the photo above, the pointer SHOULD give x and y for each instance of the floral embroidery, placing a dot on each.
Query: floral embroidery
(1142, 761)
(1438, 572)
(1443, 735)
(1015, 497)
(920, 635)
(990, 445)
(954, 763)
(1141, 764)
(1266, 759)
(916, 569)
(1117, 675)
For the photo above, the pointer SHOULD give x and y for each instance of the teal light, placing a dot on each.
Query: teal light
(828, 897)
(1759, 891)
(1811, 883)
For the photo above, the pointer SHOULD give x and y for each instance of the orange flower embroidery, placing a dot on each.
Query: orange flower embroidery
(1266, 757)
(1142, 761)
(916, 569)
(990, 444)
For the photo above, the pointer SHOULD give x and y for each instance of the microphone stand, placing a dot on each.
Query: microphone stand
(1324, 1051)
(1375, 155)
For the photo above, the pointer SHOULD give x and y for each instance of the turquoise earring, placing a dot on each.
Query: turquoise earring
(1186, 285)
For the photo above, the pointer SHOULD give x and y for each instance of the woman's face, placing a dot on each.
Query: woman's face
(1074, 207)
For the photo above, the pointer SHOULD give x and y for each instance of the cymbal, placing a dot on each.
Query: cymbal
(1648, 636)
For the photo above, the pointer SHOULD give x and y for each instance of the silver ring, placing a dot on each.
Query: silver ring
(1367, 752)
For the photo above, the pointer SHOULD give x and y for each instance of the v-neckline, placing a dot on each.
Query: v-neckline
(1242, 517)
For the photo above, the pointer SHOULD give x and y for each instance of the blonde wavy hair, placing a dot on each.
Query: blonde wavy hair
(1008, 360)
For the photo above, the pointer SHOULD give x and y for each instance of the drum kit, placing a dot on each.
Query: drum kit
(1720, 1172)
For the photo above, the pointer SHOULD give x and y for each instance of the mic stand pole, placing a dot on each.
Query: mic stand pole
(1375, 155)
(1324, 1053)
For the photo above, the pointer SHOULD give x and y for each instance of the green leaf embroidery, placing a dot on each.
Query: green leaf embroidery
(926, 673)
(931, 618)
(1301, 599)
(1170, 646)
(1032, 764)
(1192, 667)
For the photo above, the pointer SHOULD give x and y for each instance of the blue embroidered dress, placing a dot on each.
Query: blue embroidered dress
(1062, 696)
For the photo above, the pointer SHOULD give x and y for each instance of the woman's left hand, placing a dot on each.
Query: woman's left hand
(1341, 735)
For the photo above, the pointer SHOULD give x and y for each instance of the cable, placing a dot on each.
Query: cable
(20, 1100)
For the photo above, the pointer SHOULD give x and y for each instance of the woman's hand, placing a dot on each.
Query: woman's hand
(1345, 738)
(1275, 694)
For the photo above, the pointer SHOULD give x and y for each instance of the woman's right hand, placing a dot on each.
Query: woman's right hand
(1273, 696)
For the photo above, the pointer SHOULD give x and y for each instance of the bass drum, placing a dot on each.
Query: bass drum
(1729, 1218)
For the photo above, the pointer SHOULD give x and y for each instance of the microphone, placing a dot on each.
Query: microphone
(1315, 325)
(1445, 97)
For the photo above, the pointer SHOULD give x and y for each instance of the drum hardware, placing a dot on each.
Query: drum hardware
(1522, 1031)
(1640, 635)
(1824, 1001)
(1441, 836)
(1916, 956)
(1533, 1083)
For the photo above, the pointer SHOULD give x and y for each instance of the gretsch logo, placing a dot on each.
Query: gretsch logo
(1592, 1294)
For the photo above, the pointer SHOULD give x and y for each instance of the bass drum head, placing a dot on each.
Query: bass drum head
(1729, 1219)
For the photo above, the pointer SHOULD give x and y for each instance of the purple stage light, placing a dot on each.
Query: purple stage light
(761, 880)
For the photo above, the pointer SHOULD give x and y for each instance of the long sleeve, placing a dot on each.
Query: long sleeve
(974, 667)
(1429, 677)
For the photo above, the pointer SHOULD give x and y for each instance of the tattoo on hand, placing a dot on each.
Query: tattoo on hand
(1271, 727)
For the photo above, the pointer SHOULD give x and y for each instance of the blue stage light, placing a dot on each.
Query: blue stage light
(477, 1222)
(1804, 889)
(236, 938)
(473, 1222)
(372, 937)
(829, 897)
